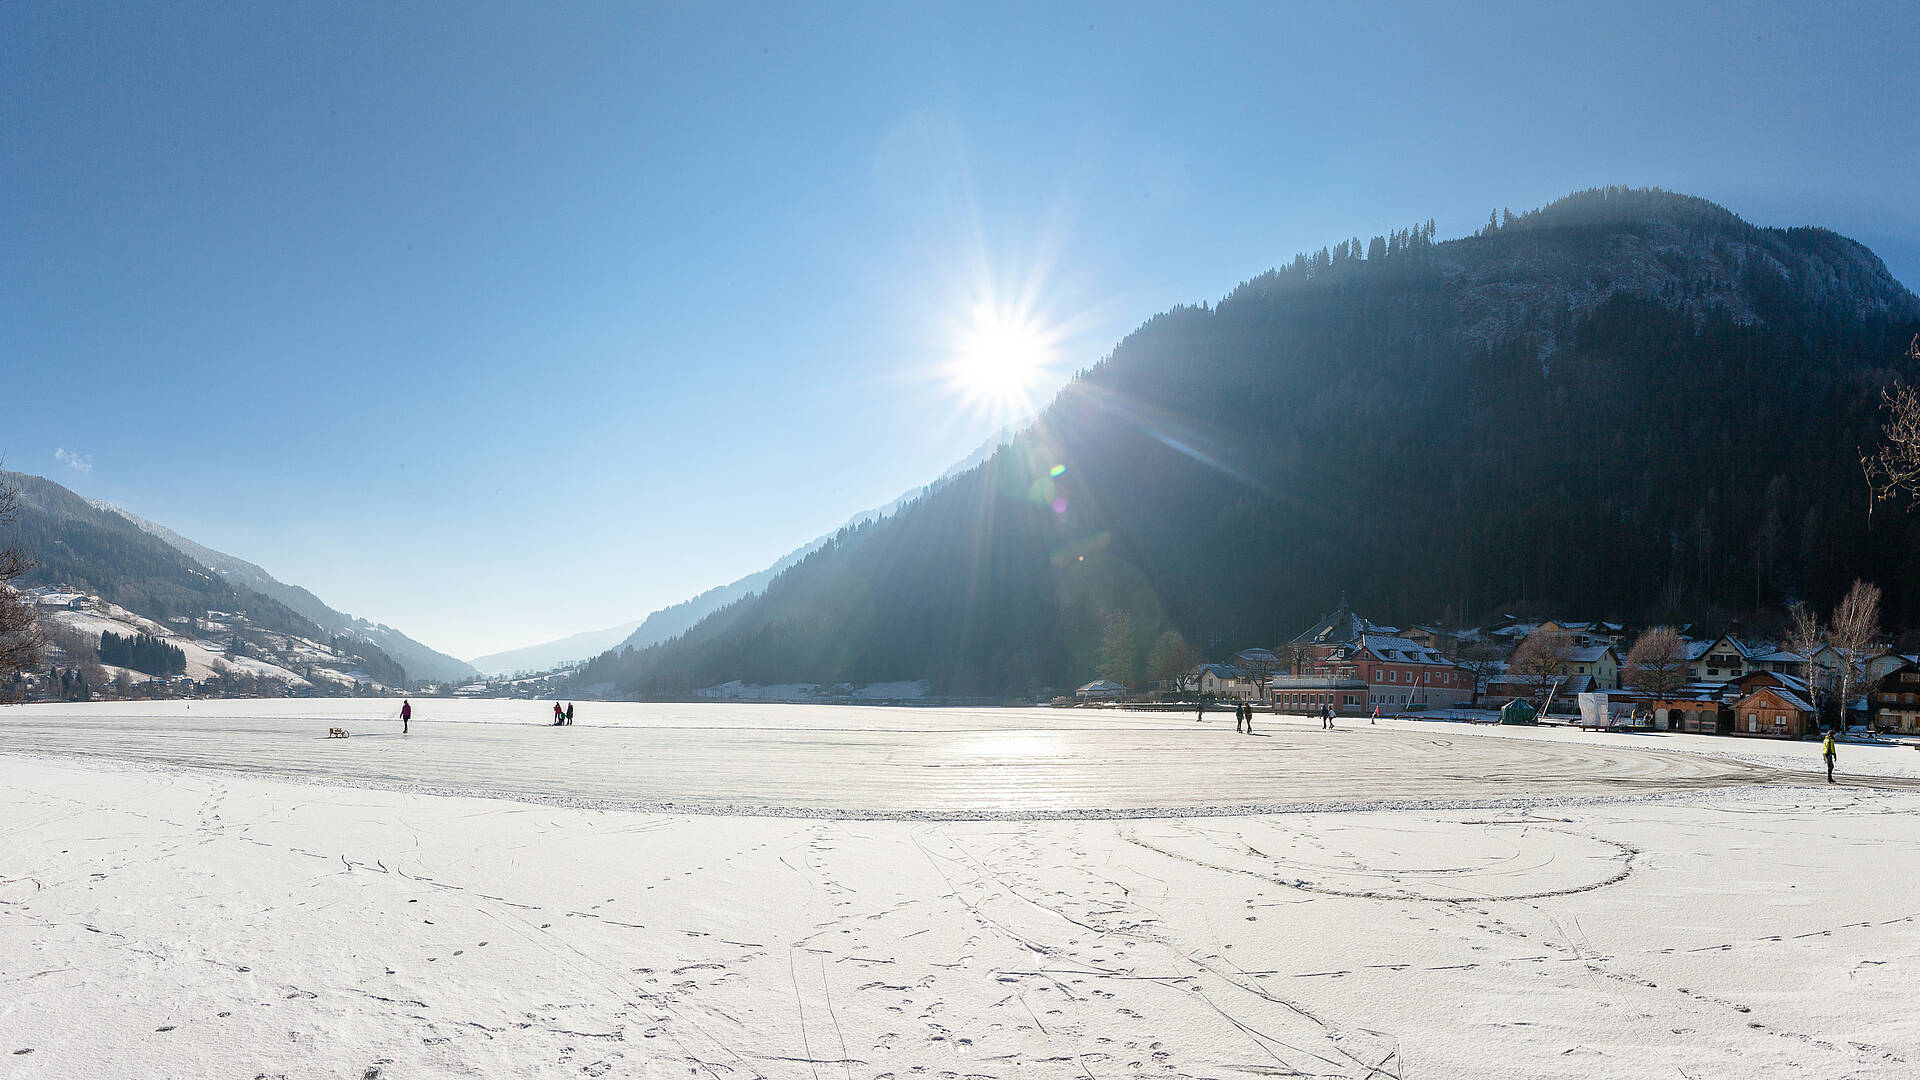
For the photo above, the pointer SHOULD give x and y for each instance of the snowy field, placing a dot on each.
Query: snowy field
(730, 891)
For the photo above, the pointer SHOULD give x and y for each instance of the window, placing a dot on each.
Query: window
(1393, 676)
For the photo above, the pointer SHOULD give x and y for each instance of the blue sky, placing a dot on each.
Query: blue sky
(500, 322)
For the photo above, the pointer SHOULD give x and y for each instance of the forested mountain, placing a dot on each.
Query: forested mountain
(674, 620)
(1628, 404)
(99, 552)
(420, 661)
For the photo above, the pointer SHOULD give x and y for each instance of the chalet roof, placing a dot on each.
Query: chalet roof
(1220, 671)
(1588, 627)
(1342, 627)
(1100, 686)
(1401, 650)
(1256, 656)
(1792, 699)
(1745, 651)
(1588, 654)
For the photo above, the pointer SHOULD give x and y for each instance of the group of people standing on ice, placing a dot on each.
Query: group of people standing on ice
(1243, 717)
(562, 717)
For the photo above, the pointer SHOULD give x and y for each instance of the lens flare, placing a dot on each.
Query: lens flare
(1002, 358)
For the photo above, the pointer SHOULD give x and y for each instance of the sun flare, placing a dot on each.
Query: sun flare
(1001, 358)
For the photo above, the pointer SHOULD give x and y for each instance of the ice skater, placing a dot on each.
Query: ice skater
(1239, 718)
(1248, 710)
(1202, 714)
(406, 715)
(1828, 751)
(1326, 717)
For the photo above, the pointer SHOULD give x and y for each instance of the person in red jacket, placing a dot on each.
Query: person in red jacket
(406, 715)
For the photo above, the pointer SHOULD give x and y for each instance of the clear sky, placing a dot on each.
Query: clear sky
(498, 322)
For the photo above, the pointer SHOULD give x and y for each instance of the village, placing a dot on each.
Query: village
(1595, 674)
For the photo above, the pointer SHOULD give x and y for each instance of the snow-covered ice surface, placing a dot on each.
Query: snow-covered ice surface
(215, 889)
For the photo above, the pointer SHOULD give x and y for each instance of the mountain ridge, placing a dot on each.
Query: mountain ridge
(676, 619)
(420, 661)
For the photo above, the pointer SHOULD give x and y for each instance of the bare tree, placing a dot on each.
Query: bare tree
(20, 635)
(1657, 663)
(1544, 660)
(1174, 660)
(1805, 636)
(1483, 658)
(1855, 631)
(1893, 468)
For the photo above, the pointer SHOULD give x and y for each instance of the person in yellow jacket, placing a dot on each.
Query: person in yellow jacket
(1827, 751)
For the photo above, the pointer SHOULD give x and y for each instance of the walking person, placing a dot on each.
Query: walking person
(1202, 714)
(406, 715)
(1239, 718)
(1248, 707)
(569, 714)
(1828, 751)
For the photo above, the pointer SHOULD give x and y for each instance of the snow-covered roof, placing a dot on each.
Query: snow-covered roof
(1098, 686)
(1788, 696)
(1792, 682)
(1400, 650)
(1220, 671)
(1588, 654)
(1744, 650)
(1342, 627)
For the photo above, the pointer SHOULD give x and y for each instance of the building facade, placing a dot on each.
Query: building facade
(1894, 705)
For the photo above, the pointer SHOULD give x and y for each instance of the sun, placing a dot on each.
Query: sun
(1001, 358)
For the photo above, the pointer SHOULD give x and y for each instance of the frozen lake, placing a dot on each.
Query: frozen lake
(886, 762)
(796, 893)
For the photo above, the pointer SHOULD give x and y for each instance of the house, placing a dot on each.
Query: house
(1880, 665)
(1756, 680)
(1772, 712)
(1396, 672)
(1599, 661)
(1341, 628)
(1258, 663)
(1585, 633)
(1431, 637)
(1100, 690)
(1782, 660)
(1894, 704)
(1721, 660)
(1308, 694)
(1225, 682)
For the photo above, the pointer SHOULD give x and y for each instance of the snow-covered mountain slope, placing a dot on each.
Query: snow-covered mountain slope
(219, 645)
(420, 661)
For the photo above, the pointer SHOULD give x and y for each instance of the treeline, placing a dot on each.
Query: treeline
(143, 653)
(369, 658)
(1628, 405)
